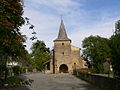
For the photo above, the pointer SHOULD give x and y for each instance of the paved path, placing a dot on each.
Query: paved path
(57, 82)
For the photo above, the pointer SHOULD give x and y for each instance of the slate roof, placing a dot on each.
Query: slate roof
(62, 35)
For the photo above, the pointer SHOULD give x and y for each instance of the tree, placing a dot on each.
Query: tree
(96, 49)
(117, 27)
(115, 46)
(11, 39)
(39, 55)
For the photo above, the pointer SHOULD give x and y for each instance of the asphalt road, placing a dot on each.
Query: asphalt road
(56, 82)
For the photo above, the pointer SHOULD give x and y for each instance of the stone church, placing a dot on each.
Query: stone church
(66, 57)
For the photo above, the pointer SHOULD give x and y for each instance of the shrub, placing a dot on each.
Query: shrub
(83, 70)
(18, 70)
(13, 81)
(30, 69)
(22, 69)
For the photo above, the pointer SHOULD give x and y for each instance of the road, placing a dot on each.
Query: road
(56, 82)
(59, 82)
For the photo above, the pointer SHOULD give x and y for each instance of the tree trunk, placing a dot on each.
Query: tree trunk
(6, 71)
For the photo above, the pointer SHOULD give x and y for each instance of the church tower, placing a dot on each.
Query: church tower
(62, 50)
(66, 57)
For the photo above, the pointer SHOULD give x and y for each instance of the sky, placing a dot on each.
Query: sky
(82, 18)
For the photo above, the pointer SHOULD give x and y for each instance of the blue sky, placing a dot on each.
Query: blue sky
(82, 18)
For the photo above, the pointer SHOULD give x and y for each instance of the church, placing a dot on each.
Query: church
(65, 57)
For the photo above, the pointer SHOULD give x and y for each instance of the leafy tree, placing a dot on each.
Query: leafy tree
(96, 49)
(117, 27)
(39, 55)
(11, 39)
(115, 46)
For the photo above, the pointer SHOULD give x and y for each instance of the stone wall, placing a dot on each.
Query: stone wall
(75, 56)
(62, 50)
(105, 83)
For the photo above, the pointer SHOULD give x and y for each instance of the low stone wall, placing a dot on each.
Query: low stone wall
(105, 83)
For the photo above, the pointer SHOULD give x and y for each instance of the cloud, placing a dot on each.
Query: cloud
(45, 15)
(104, 28)
(66, 8)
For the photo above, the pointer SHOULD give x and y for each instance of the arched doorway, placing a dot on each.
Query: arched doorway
(63, 68)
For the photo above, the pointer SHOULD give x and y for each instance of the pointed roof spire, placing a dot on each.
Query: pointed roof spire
(62, 36)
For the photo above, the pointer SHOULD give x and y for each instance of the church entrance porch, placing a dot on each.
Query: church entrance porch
(63, 68)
